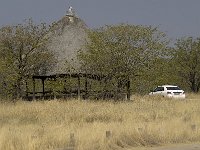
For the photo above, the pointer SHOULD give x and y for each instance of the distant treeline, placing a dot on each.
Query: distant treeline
(122, 53)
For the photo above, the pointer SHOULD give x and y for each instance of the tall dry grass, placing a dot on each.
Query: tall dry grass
(144, 121)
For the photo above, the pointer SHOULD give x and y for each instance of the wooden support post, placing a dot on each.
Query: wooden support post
(65, 85)
(70, 86)
(108, 134)
(72, 143)
(86, 87)
(79, 88)
(72, 140)
(43, 90)
(33, 88)
(128, 90)
(26, 89)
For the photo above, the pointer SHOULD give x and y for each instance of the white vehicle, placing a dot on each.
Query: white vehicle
(170, 91)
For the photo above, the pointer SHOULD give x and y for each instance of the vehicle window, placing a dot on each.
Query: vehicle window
(159, 89)
(173, 88)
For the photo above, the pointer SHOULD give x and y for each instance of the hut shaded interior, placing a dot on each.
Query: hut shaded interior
(81, 88)
(77, 92)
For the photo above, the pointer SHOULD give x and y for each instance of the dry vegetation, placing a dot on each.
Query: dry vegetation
(144, 121)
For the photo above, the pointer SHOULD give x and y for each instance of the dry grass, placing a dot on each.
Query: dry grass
(144, 121)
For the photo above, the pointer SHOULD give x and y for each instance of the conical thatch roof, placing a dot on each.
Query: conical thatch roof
(67, 37)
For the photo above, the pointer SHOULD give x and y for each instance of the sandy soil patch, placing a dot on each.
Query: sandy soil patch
(173, 147)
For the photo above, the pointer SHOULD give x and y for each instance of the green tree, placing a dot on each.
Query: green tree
(187, 61)
(123, 52)
(23, 53)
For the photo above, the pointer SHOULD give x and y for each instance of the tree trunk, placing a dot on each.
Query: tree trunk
(19, 88)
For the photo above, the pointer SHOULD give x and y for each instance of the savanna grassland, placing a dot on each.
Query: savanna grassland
(143, 121)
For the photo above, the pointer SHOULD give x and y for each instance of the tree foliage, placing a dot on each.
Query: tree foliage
(22, 54)
(187, 61)
(123, 51)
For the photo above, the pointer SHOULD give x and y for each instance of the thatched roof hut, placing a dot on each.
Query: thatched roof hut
(67, 36)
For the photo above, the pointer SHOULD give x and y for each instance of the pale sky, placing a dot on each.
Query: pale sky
(177, 18)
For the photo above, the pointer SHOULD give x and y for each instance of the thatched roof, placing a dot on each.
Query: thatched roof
(67, 37)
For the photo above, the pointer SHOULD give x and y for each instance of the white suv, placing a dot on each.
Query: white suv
(169, 91)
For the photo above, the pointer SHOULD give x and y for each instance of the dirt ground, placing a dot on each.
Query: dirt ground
(173, 147)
